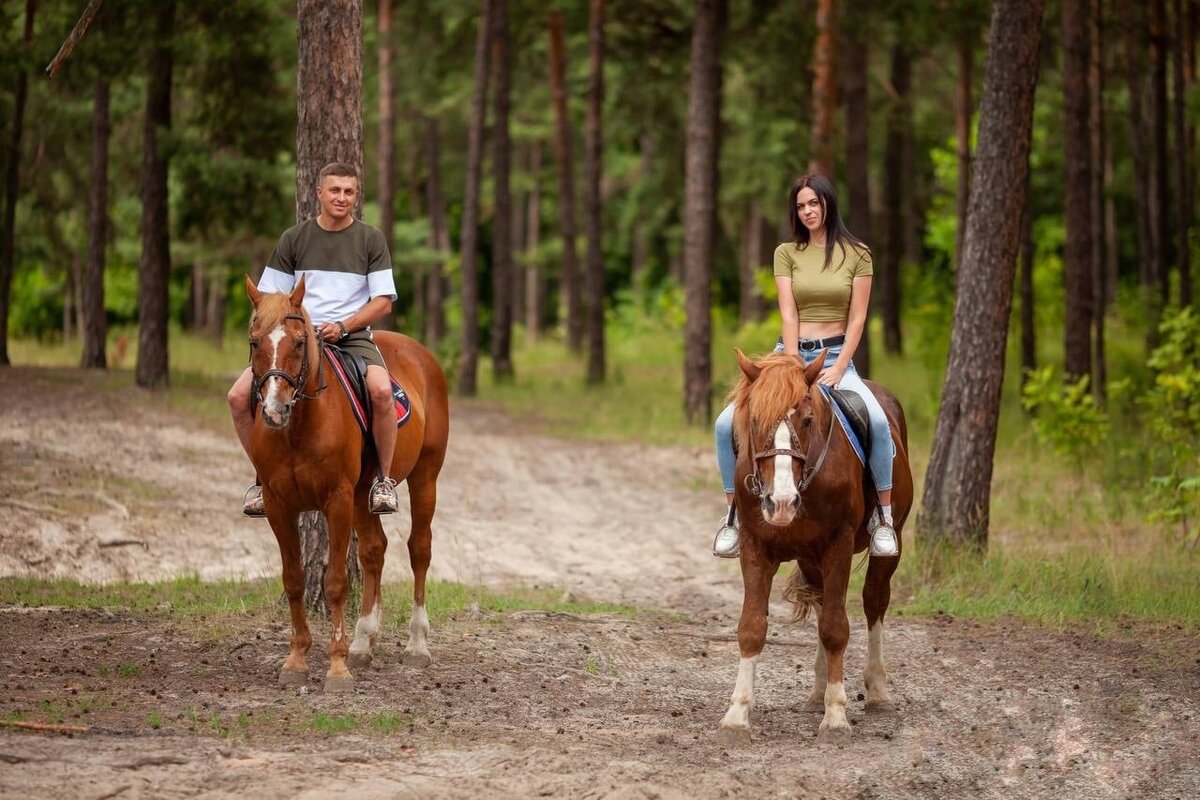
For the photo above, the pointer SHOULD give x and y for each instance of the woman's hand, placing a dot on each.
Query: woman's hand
(831, 376)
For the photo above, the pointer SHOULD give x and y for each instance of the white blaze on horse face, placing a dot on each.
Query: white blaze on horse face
(271, 404)
(783, 490)
(738, 715)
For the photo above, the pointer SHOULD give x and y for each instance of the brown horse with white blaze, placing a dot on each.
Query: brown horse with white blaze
(801, 496)
(311, 455)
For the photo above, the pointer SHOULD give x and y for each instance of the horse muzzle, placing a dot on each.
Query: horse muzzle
(780, 512)
(277, 415)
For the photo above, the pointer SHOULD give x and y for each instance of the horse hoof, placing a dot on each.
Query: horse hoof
(288, 677)
(358, 661)
(339, 684)
(733, 737)
(840, 735)
(416, 659)
(881, 704)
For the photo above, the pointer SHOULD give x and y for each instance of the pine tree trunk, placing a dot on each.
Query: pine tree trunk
(215, 315)
(700, 209)
(1159, 154)
(387, 137)
(502, 247)
(1028, 327)
(824, 90)
(439, 239)
(154, 266)
(962, 130)
(534, 289)
(329, 128)
(594, 146)
(858, 155)
(571, 281)
(958, 480)
(1185, 201)
(1077, 190)
(12, 183)
(469, 242)
(1099, 241)
(895, 186)
(91, 290)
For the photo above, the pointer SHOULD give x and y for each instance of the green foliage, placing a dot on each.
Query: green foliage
(1065, 415)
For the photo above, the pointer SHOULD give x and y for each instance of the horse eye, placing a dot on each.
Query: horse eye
(807, 421)
(254, 343)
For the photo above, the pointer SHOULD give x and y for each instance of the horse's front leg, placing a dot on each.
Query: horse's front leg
(372, 544)
(339, 512)
(834, 630)
(283, 524)
(757, 575)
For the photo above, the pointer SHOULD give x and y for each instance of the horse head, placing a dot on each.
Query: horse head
(779, 424)
(283, 348)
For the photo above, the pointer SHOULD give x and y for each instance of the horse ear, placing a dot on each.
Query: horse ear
(749, 368)
(252, 292)
(813, 370)
(297, 295)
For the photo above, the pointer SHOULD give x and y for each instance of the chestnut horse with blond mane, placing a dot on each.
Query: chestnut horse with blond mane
(801, 497)
(311, 455)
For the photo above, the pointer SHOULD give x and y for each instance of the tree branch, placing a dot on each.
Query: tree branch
(76, 34)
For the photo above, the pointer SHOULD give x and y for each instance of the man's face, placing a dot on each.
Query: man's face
(337, 194)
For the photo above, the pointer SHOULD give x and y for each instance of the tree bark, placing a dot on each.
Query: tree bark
(502, 227)
(439, 239)
(387, 136)
(858, 154)
(154, 266)
(700, 209)
(1185, 201)
(1077, 190)
(958, 480)
(594, 147)
(1099, 235)
(824, 91)
(1160, 210)
(565, 165)
(1028, 328)
(895, 188)
(12, 184)
(962, 128)
(534, 289)
(91, 290)
(328, 128)
(469, 242)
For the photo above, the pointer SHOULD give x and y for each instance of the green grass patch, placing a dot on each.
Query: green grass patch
(155, 719)
(333, 723)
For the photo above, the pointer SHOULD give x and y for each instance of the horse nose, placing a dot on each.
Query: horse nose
(768, 506)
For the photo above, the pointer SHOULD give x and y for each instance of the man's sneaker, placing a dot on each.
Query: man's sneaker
(727, 543)
(883, 536)
(383, 498)
(252, 505)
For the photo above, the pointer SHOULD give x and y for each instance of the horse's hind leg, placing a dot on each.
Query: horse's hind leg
(295, 667)
(877, 593)
(372, 544)
(422, 495)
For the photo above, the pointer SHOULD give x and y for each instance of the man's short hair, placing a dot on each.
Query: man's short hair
(339, 168)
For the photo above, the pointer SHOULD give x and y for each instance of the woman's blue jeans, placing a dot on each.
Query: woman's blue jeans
(881, 454)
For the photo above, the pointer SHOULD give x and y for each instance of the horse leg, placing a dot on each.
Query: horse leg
(757, 575)
(877, 593)
(338, 513)
(295, 667)
(422, 497)
(816, 699)
(834, 629)
(372, 544)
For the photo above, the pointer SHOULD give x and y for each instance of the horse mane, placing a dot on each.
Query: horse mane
(779, 387)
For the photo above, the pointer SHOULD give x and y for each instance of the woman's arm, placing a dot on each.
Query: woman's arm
(860, 299)
(790, 329)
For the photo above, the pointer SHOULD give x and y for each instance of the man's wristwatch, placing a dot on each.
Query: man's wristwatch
(342, 327)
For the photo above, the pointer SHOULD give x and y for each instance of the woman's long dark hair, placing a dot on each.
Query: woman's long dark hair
(835, 229)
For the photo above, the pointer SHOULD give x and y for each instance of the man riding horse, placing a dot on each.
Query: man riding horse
(348, 272)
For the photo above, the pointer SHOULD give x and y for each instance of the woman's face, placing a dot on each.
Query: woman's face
(810, 210)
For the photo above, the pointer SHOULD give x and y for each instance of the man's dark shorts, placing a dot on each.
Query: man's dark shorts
(361, 343)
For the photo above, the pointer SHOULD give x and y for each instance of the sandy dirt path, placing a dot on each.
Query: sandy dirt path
(98, 482)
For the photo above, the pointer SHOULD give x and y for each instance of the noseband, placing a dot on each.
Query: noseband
(754, 483)
(296, 381)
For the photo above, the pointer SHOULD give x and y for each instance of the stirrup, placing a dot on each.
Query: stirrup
(382, 498)
(727, 543)
(884, 542)
(252, 503)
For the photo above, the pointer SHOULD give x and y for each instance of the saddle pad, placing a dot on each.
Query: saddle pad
(846, 426)
(356, 393)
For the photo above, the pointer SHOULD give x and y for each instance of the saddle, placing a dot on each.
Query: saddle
(351, 371)
(851, 412)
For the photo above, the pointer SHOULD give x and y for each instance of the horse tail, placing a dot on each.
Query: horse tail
(802, 595)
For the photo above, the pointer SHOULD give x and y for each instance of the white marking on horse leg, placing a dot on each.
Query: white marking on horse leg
(835, 721)
(876, 673)
(738, 716)
(365, 631)
(783, 490)
(271, 401)
(418, 635)
(820, 678)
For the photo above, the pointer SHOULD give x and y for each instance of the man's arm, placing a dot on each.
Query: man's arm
(375, 309)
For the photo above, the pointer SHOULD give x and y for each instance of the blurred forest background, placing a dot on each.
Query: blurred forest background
(594, 189)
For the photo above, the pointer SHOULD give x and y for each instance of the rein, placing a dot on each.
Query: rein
(754, 483)
(297, 381)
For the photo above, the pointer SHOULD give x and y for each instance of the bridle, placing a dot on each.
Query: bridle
(297, 381)
(754, 482)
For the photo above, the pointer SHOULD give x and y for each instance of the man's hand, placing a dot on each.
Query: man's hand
(329, 332)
